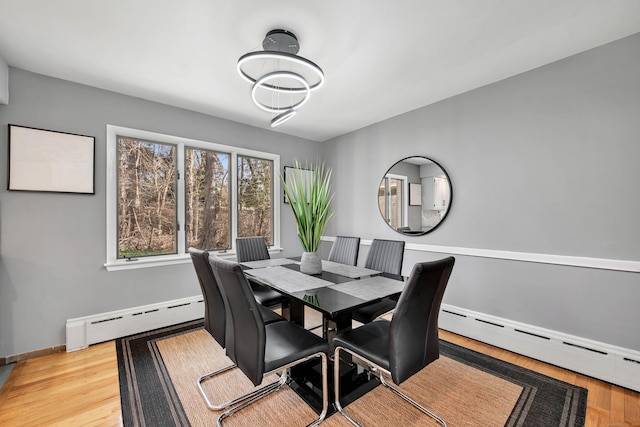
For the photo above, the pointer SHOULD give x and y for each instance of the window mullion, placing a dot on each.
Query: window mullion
(233, 198)
(275, 206)
(180, 199)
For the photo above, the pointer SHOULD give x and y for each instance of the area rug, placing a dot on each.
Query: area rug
(158, 372)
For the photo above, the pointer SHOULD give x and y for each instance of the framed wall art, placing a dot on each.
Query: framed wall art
(305, 173)
(50, 161)
(415, 194)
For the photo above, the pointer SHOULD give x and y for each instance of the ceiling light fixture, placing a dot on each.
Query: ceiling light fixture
(282, 81)
(281, 118)
(278, 75)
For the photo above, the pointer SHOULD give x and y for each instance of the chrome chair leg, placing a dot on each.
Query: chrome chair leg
(225, 405)
(336, 387)
(411, 401)
(378, 371)
(265, 392)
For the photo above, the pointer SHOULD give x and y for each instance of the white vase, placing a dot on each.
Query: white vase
(310, 263)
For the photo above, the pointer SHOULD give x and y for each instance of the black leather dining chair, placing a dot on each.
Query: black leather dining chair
(215, 319)
(255, 249)
(345, 250)
(403, 346)
(262, 349)
(214, 313)
(385, 256)
(252, 249)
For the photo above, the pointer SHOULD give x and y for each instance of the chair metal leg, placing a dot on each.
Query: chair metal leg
(378, 371)
(285, 369)
(336, 386)
(410, 400)
(325, 390)
(225, 405)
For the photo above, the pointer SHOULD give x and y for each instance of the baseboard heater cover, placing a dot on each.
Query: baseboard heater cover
(84, 331)
(609, 363)
(613, 364)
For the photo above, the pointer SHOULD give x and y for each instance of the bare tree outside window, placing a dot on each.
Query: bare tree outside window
(255, 198)
(168, 193)
(207, 199)
(146, 198)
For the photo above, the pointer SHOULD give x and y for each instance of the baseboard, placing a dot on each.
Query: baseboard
(32, 354)
(609, 363)
(84, 331)
(613, 364)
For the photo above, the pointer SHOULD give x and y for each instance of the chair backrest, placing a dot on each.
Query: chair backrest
(248, 325)
(252, 249)
(345, 250)
(214, 307)
(386, 256)
(413, 334)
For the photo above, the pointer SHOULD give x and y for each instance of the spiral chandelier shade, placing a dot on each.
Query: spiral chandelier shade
(281, 80)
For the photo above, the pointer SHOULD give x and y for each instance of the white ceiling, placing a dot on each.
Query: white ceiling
(381, 58)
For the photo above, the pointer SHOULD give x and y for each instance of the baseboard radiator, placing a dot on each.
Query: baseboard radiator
(612, 364)
(84, 331)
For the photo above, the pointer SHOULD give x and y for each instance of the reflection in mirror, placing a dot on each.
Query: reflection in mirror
(414, 195)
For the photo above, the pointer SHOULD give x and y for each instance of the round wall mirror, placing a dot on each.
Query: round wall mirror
(414, 196)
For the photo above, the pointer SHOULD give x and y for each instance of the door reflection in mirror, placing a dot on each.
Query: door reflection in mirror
(414, 195)
(392, 200)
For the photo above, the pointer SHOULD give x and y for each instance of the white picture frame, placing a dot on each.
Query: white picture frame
(415, 194)
(307, 175)
(50, 161)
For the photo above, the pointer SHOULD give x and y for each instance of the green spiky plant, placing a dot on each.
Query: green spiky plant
(310, 203)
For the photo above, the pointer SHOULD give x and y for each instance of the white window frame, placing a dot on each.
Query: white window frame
(113, 263)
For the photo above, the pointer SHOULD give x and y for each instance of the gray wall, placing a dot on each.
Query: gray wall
(546, 162)
(53, 245)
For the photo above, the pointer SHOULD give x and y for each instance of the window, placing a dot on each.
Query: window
(146, 198)
(208, 219)
(165, 194)
(255, 198)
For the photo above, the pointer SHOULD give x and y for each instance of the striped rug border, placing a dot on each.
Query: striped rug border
(148, 397)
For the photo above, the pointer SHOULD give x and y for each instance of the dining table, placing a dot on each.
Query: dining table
(336, 292)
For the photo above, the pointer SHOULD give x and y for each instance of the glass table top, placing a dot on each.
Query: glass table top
(328, 292)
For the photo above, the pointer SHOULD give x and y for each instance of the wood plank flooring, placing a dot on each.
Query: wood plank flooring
(64, 389)
(81, 389)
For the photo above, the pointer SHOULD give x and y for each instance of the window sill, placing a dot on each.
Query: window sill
(161, 261)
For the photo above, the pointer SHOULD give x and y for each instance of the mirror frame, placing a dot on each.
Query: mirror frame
(416, 233)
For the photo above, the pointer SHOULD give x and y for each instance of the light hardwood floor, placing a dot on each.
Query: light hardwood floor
(81, 389)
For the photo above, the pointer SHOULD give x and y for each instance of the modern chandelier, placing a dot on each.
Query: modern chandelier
(281, 80)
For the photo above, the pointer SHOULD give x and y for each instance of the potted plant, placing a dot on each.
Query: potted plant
(309, 193)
